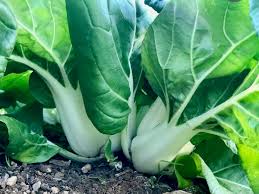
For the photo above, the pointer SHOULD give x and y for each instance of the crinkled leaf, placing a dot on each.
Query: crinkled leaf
(102, 34)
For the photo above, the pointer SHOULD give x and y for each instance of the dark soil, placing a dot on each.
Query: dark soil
(65, 177)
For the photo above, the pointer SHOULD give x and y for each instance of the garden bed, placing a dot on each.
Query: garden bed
(66, 177)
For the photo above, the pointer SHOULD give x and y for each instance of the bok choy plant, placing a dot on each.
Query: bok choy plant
(176, 91)
(43, 45)
(198, 56)
(40, 45)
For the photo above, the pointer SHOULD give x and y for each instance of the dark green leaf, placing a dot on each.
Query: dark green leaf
(102, 34)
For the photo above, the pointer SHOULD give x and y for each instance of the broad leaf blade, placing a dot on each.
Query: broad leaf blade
(25, 145)
(17, 86)
(43, 28)
(224, 164)
(7, 35)
(7, 30)
(201, 39)
(102, 34)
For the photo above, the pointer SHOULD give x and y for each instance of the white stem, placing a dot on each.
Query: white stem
(129, 132)
(160, 144)
(81, 134)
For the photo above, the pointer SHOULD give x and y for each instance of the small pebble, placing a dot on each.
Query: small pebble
(54, 190)
(3, 181)
(11, 181)
(118, 166)
(59, 176)
(45, 187)
(65, 192)
(45, 169)
(13, 164)
(36, 186)
(87, 168)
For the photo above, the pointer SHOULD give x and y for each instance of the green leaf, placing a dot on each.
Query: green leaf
(241, 123)
(43, 28)
(213, 92)
(214, 185)
(193, 45)
(7, 30)
(31, 115)
(186, 168)
(202, 39)
(25, 145)
(102, 34)
(157, 5)
(17, 86)
(7, 35)
(108, 152)
(40, 91)
(224, 165)
(250, 163)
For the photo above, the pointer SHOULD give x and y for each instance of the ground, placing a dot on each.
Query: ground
(65, 177)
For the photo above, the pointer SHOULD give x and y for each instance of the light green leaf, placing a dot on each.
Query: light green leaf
(17, 86)
(43, 28)
(241, 123)
(102, 34)
(108, 152)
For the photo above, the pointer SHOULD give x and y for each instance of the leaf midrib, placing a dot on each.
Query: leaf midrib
(177, 115)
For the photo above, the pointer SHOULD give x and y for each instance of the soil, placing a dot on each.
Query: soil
(66, 177)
